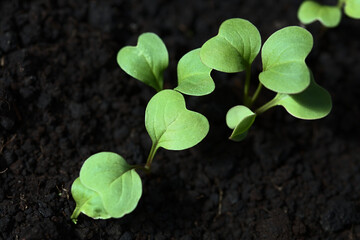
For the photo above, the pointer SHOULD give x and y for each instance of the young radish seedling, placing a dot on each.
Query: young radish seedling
(284, 71)
(109, 187)
(148, 60)
(329, 16)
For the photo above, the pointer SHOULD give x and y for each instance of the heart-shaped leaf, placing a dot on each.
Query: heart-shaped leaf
(239, 118)
(107, 177)
(123, 194)
(283, 57)
(234, 48)
(193, 76)
(313, 103)
(92, 172)
(146, 61)
(311, 11)
(170, 125)
(87, 201)
(352, 8)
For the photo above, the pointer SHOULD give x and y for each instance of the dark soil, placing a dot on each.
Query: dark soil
(63, 98)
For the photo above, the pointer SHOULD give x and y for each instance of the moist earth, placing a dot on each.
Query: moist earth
(63, 98)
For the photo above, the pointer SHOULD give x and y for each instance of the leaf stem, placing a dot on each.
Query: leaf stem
(75, 214)
(151, 156)
(340, 3)
(159, 83)
(272, 103)
(141, 167)
(247, 100)
(256, 94)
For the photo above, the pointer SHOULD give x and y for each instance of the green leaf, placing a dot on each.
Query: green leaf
(234, 48)
(170, 125)
(239, 118)
(193, 76)
(107, 176)
(313, 103)
(123, 194)
(87, 201)
(283, 57)
(146, 61)
(311, 11)
(92, 172)
(352, 8)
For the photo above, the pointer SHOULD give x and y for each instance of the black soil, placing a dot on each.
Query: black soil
(63, 98)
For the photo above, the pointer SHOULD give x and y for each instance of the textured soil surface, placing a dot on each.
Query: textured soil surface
(63, 98)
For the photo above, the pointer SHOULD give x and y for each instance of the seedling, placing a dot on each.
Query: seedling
(329, 16)
(148, 60)
(109, 187)
(284, 71)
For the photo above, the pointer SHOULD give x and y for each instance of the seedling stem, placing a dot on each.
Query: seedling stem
(272, 103)
(256, 94)
(340, 3)
(247, 99)
(151, 156)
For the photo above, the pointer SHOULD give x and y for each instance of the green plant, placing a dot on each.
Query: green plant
(329, 16)
(285, 72)
(109, 187)
(148, 60)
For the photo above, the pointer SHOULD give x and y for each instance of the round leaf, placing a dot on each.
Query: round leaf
(87, 201)
(193, 76)
(352, 8)
(146, 61)
(313, 103)
(239, 118)
(102, 169)
(283, 57)
(311, 11)
(123, 194)
(235, 47)
(117, 183)
(170, 125)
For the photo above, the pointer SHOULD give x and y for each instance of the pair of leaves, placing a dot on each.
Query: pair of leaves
(283, 54)
(148, 60)
(168, 122)
(284, 69)
(234, 48)
(329, 16)
(107, 187)
(311, 11)
(313, 103)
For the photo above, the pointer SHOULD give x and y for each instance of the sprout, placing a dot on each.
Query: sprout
(284, 71)
(329, 16)
(108, 187)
